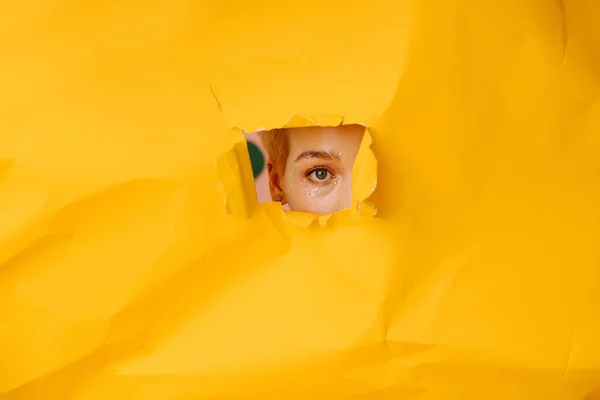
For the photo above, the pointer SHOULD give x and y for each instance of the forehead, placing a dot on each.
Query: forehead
(330, 138)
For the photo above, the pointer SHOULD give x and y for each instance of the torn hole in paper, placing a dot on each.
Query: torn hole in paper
(313, 170)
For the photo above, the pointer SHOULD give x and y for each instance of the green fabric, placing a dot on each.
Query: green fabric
(257, 159)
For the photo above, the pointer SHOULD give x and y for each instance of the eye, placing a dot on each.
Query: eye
(320, 175)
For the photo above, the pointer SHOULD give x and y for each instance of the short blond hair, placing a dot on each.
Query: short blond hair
(276, 143)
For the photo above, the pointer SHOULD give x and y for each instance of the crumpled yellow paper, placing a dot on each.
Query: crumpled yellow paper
(136, 264)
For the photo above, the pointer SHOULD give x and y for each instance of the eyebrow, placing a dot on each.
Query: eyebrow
(321, 155)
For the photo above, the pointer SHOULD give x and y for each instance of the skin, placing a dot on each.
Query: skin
(317, 177)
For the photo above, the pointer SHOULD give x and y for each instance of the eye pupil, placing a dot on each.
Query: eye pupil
(321, 174)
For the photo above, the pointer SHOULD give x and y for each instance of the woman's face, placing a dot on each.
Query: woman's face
(318, 171)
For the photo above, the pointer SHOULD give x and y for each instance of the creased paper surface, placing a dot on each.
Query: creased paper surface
(136, 264)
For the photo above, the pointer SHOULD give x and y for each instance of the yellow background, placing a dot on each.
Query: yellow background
(123, 276)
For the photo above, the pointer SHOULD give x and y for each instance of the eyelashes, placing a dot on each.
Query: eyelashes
(320, 175)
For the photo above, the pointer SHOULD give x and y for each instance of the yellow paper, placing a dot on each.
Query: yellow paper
(136, 264)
